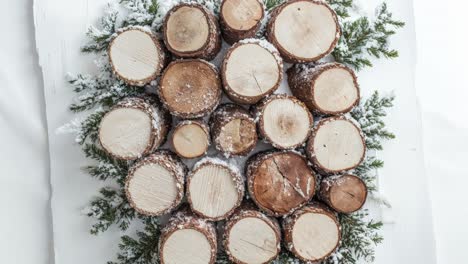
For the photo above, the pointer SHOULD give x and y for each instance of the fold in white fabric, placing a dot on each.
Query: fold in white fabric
(25, 222)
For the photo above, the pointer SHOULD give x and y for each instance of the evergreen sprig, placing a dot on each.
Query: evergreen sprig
(270, 4)
(100, 37)
(110, 207)
(359, 237)
(141, 12)
(107, 167)
(102, 90)
(341, 7)
(362, 39)
(143, 249)
(370, 116)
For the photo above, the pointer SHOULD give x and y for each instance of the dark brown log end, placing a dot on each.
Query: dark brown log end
(190, 88)
(280, 182)
(345, 194)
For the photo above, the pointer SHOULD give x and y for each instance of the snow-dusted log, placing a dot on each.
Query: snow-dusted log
(303, 30)
(133, 128)
(345, 194)
(240, 19)
(329, 88)
(191, 139)
(251, 70)
(155, 184)
(233, 130)
(336, 145)
(190, 88)
(192, 31)
(136, 56)
(188, 239)
(251, 237)
(214, 188)
(283, 121)
(279, 182)
(312, 233)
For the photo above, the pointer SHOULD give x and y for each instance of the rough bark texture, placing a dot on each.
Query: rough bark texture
(136, 56)
(279, 182)
(160, 122)
(252, 69)
(316, 241)
(345, 193)
(304, 25)
(191, 139)
(323, 87)
(233, 130)
(240, 19)
(155, 185)
(184, 32)
(244, 241)
(214, 189)
(190, 88)
(187, 252)
(336, 145)
(283, 121)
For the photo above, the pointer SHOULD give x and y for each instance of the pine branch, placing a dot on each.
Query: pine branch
(100, 37)
(107, 167)
(359, 237)
(341, 7)
(270, 4)
(367, 171)
(362, 40)
(111, 207)
(143, 249)
(370, 116)
(101, 90)
(141, 12)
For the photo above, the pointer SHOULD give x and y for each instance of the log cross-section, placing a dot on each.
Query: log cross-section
(303, 30)
(279, 182)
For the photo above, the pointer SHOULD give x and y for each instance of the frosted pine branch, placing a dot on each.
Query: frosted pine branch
(107, 167)
(144, 248)
(369, 115)
(362, 39)
(111, 207)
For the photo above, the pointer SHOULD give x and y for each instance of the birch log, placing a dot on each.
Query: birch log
(329, 88)
(345, 194)
(214, 189)
(187, 239)
(251, 70)
(279, 182)
(240, 19)
(336, 145)
(251, 237)
(303, 30)
(283, 121)
(136, 56)
(155, 184)
(312, 233)
(190, 88)
(233, 130)
(133, 128)
(192, 31)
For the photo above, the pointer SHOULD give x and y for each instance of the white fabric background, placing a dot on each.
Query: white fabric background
(24, 182)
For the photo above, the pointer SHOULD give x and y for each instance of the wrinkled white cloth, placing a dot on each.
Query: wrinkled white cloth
(25, 222)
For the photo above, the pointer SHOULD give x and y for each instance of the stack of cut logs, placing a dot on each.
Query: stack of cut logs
(287, 206)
